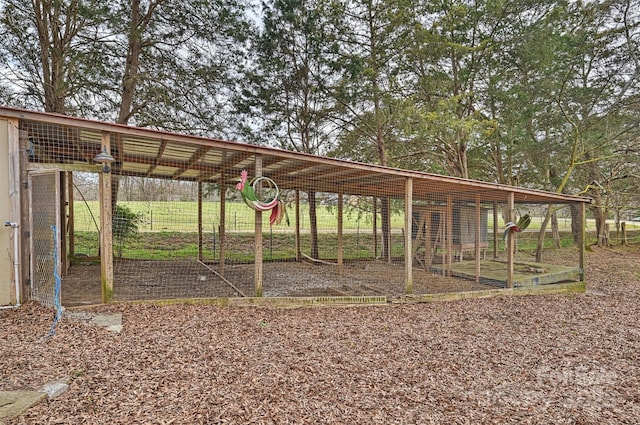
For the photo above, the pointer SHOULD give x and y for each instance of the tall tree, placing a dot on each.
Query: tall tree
(600, 79)
(447, 59)
(373, 49)
(151, 63)
(286, 85)
(176, 62)
(49, 52)
(160, 63)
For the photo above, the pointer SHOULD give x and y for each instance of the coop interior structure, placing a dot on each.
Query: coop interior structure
(108, 212)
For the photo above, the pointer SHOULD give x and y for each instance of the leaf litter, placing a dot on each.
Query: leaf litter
(505, 360)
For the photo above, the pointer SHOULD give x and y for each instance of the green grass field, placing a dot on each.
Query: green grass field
(276, 246)
(183, 217)
(168, 230)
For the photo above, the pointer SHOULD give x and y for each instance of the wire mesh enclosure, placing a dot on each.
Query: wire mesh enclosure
(44, 237)
(171, 241)
(154, 216)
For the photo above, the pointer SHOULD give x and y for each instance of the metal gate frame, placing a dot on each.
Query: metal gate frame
(45, 235)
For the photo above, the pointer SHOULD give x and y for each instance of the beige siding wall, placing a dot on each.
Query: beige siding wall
(7, 293)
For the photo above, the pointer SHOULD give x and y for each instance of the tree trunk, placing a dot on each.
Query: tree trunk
(601, 221)
(576, 223)
(541, 235)
(54, 44)
(129, 83)
(555, 230)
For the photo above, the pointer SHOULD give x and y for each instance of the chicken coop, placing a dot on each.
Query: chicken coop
(117, 213)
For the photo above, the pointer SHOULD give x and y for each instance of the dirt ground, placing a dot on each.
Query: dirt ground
(571, 359)
(155, 280)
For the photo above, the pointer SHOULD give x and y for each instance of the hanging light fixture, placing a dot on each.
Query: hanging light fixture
(105, 159)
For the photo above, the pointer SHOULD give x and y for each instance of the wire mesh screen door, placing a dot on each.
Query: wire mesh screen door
(44, 210)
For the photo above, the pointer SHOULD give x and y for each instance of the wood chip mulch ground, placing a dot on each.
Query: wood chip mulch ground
(571, 359)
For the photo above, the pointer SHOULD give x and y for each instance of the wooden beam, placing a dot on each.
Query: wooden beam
(15, 200)
(229, 161)
(58, 143)
(270, 161)
(340, 176)
(449, 234)
(297, 229)
(372, 179)
(116, 151)
(304, 171)
(197, 156)
(428, 222)
(223, 221)
(375, 227)
(24, 216)
(387, 205)
(58, 235)
(582, 241)
(495, 230)
(64, 265)
(257, 278)
(340, 239)
(289, 170)
(89, 168)
(50, 135)
(199, 221)
(155, 161)
(510, 241)
(106, 229)
(71, 212)
(408, 251)
(477, 237)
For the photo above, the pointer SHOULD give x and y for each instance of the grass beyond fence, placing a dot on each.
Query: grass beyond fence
(183, 217)
(278, 245)
(168, 230)
(169, 216)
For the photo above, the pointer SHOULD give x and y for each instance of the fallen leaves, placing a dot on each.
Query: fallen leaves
(542, 359)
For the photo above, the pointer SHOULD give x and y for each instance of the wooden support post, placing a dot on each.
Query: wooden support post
(199, 221)
(71, 212)
(297, 229)
(510, 241)
(340, 239)
(442, 237)
(58, 235)
(106, 229)
(427, 239)
(408, 249)
(495, 230)
(24, 216)
(257, 277)
(15, 152)
(387, 211)
(375, 228)
(62, 203)
(477, 237)
(222, 230)
(449, 234)
(582, 240)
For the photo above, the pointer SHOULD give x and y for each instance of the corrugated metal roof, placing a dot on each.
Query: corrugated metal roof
(146, 152)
